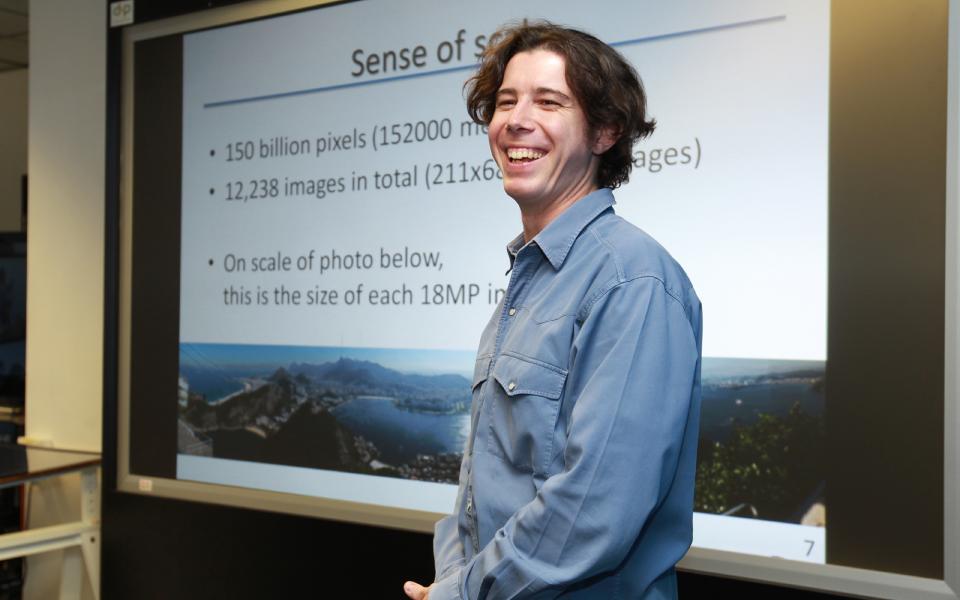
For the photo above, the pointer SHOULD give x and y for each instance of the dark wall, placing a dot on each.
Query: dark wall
(156, 548)
(885, 375)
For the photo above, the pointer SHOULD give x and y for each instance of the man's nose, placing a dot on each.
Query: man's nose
(520, 117)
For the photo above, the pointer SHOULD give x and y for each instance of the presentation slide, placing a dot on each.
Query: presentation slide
(343, 232)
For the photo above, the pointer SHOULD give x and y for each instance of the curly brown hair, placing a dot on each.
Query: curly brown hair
(605, 84)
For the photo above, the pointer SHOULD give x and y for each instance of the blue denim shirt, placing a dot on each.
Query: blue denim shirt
(577, 479)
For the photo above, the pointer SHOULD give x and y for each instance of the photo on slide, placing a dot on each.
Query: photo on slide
(405, 413)
(390, 413)
(761, 452)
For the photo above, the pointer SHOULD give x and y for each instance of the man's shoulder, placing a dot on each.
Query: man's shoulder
(634, 254)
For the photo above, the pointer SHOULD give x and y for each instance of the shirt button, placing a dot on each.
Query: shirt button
(512, 312)
(511, 386)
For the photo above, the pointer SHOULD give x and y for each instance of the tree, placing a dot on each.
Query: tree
(774, 465)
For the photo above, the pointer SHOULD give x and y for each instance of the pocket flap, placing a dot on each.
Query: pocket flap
(524, 375)
(480, 369)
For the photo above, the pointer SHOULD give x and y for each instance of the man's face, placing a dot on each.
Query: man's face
(539, 134)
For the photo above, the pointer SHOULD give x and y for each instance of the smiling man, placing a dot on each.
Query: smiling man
(577, 479)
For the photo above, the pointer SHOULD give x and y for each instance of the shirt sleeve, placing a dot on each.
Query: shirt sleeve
(632, 377)
(447, 545)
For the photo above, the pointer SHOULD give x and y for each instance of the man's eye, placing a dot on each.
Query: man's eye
(504, 103)
(546, 102)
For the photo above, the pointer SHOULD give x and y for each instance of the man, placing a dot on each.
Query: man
(577, 479)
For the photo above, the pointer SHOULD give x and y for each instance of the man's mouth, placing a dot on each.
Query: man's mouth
(523, 155)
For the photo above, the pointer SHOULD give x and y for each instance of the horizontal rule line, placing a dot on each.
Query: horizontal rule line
(711, 29)
(444, 71)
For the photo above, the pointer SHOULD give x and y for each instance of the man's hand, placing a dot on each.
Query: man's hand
(415, 591)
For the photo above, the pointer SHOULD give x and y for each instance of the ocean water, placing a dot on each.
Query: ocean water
(724, 407)
(214, 384)
(400, 434)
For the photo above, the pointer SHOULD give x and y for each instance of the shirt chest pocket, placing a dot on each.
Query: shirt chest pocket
(523, 403)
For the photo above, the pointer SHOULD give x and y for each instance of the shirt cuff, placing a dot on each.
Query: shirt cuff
(456, 566)
(447, 588)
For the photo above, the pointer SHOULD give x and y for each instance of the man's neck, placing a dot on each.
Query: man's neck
(536, 218)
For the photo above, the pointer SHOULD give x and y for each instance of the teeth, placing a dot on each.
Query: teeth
(518, 153)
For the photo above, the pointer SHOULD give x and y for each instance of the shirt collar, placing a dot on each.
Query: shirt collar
(512, 249)
(556, 239)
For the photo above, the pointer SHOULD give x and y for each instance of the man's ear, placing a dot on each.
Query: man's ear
(604, 138)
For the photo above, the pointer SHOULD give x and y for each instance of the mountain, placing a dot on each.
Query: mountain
(363, 377)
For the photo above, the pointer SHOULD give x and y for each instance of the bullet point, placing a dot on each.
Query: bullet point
(212, 152)
(211, 191)
(211, 262)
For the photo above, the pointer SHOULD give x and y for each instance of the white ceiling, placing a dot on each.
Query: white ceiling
(13, 34)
